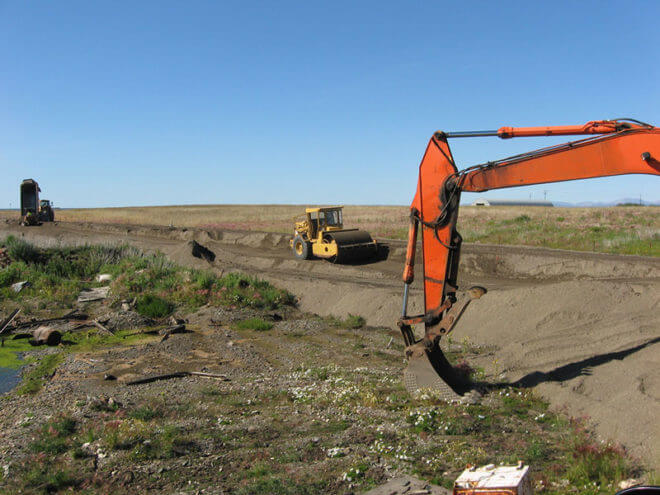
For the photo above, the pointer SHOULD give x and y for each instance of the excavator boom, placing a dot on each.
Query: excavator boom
(613, 147)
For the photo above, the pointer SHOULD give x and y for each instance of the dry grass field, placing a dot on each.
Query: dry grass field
(622, 229)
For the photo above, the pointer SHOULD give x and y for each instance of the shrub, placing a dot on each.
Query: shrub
(20, 250)
(153, 306)
(144, 413)
(522, 219)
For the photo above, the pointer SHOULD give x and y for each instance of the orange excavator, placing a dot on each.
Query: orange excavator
(613, 147)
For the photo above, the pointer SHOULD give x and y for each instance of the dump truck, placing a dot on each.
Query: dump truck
(610, 147)
(30, 202)
(320, 232)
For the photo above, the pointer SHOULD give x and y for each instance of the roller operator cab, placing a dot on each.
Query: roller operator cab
(320, 232)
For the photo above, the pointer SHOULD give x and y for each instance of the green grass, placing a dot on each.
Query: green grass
(10, 350)
(54, 436)
(93, 340)
(351, 322)
(589, 234)
(58, 274)
(144, 413)
(596, 463)
(153, 306)
(35, 378)
(258, 324)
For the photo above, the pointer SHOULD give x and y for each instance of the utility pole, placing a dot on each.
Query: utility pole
(545, 194)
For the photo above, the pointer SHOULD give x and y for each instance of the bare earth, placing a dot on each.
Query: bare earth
(581, 328)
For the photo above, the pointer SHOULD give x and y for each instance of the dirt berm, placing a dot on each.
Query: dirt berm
(582, 328)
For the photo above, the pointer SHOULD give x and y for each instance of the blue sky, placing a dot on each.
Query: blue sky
(144, 103)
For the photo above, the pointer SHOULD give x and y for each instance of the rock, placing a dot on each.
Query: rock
(109, 377)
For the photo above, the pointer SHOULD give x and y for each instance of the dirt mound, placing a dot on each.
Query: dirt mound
(590, 347)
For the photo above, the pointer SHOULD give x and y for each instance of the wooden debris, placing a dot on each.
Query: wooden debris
(8, 320)
(102, 328)
(73, 315)
(166, 332)
(179, 374)
(95, 294)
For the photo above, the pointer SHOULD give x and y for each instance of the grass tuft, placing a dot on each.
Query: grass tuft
(153, 306)
(258, 324)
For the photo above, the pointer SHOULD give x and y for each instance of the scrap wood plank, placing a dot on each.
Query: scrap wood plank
(95, 294)
(72, 315)
(101, 327)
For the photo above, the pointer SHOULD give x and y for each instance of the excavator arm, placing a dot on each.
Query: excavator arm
(614, 147)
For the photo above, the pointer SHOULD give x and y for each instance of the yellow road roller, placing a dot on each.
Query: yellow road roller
(320, 232)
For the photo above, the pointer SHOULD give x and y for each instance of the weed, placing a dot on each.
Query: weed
(144, 413)
(153, 306)
(597, 463)
(20, 250)
(350, 322)
(53, 436)
(49, 480)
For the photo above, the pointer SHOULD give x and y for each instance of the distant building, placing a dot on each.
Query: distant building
(510, 202)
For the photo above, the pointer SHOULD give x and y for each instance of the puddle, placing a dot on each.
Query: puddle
(9, 378)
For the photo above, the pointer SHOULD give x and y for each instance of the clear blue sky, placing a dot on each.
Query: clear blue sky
(160, 102)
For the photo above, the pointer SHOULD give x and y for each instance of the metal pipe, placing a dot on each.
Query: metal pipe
(404, 311)
(470, 134)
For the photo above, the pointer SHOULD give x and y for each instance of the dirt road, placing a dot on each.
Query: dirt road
(581, 328)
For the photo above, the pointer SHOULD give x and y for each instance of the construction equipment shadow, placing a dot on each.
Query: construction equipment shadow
(572, 370)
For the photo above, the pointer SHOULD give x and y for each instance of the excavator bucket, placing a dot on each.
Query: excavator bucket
(429, 370)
